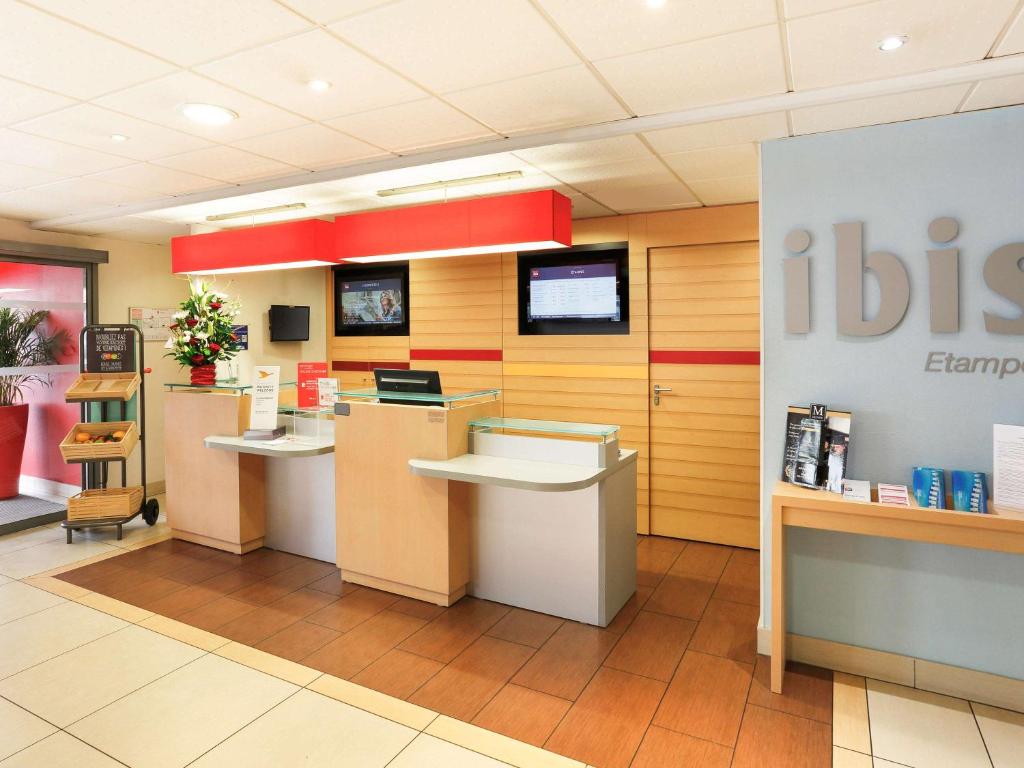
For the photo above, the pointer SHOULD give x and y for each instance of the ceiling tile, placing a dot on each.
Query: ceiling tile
(795, 8)
(557, 157)
(79, 195)
(37, 152)
(714, 162)
(720, 133)
(878, 110)
(498, 162)
(1014, 40)
(728, 191)
(21, 102)
(585, 208)
(636, 170)
(196, 213)
(279, 72)
(184, 31)
(326, 11)
(451, 45)
(655, 196)
(39, 49)
(842, 46)
(156, 179)
(1001, 92)
(312, 146)
(606, 28)
(140, 229)
(17, 205)
(160, 101)
(89, 126)
(415, 125)
(556, 99)
(227, 164)
(19, 176)
(728, 68)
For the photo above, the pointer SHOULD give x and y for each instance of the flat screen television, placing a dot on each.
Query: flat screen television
(289, 323)
(371, 301)
(582, 290)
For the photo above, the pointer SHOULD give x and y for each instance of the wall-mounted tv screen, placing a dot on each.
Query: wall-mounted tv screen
(583, 290)
(289, 323)
(371, 301)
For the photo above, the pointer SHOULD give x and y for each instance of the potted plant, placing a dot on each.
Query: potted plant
(23, 344)
(202, 333)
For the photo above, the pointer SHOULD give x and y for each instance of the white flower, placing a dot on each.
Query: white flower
(180, 315)
(202, 335)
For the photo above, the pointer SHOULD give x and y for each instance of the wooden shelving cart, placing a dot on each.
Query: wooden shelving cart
(112, 364)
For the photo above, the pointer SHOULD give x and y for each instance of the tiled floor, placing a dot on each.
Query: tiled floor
(97, 667)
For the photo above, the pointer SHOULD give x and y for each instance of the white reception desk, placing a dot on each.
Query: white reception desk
(552, 515)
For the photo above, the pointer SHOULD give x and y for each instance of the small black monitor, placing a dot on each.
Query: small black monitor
(289, 323)
(397, 380)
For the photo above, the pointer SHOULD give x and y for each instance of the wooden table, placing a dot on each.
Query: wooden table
(805, 508)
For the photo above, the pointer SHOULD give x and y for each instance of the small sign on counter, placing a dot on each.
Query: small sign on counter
(309, 375)
(265, 391)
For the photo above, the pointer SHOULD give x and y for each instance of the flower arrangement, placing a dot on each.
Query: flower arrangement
(202, 332)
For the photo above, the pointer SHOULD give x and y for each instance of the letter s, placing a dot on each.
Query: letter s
(1004, 275)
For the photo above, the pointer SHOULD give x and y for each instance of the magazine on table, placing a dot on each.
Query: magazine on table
(817, 447)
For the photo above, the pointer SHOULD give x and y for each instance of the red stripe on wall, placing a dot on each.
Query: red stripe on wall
(704, 357)
(456, 354)
(363, 365)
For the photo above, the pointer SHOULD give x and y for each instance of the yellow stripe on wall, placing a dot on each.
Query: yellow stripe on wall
(582, 371)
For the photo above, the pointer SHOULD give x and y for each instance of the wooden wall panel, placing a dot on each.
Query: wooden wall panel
(705, 434)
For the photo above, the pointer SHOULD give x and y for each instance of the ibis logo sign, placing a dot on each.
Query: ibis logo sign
(1003, 273)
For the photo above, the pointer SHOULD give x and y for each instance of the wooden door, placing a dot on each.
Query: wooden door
(705, 432)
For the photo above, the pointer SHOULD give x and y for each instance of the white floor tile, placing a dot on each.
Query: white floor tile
(174, 720)
(19, 729)
(428, 752)
(880, 763)
(845, 758)
(30, 537)
(59, 751)
(17, 600)
(923, 729)
(134, 532)
(310, 729)
(75, 684)
(32, 639)
(1003, 732)
(43, 557)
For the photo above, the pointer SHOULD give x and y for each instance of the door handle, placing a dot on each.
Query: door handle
(658, 389)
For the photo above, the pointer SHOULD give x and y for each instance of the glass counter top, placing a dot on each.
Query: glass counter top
(222, 386)
(568, 428)
(421, 397)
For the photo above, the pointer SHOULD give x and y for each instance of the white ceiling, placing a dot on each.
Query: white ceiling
(415, 75)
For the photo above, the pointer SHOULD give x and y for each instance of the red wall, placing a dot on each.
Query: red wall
(50, 418)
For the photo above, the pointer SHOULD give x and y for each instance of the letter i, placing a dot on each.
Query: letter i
(796, 277)
(944, 277)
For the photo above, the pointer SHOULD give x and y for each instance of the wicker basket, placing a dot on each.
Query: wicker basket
(76, 453)
(105, 503)
(102, 386)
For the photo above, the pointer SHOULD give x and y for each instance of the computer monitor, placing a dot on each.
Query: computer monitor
(397, 380)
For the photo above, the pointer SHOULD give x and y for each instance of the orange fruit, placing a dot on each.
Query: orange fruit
(82, 437)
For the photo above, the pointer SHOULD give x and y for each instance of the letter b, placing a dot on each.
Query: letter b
(893, 282)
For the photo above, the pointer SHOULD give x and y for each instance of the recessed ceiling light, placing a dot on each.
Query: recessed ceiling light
(319, 85)
(656, 3)
(892, 43)
(118, 137)
(208, 114)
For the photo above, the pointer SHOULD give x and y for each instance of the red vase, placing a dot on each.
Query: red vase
(13, 426)
(204, 375)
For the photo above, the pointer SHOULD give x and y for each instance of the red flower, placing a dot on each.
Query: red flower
(214, 347)
(191, 322)
(197, 359)
(215, 305)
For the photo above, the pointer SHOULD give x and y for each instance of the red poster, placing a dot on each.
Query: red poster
(308, 374)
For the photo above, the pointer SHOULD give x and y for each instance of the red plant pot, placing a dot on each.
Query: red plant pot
(13, 426)
(204, 375)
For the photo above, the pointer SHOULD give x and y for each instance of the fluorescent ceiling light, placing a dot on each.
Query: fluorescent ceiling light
(263, 267)
(453, 183)
(656, 3)
(13, 290)
(208, 114)
(471, 251)
(118, 137)
(319, 85)
(256, 212)
(892, 43)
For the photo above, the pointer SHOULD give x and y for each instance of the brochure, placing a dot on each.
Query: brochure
(857, 490)
(817, 445)
(896, 495)
(1008, 463)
